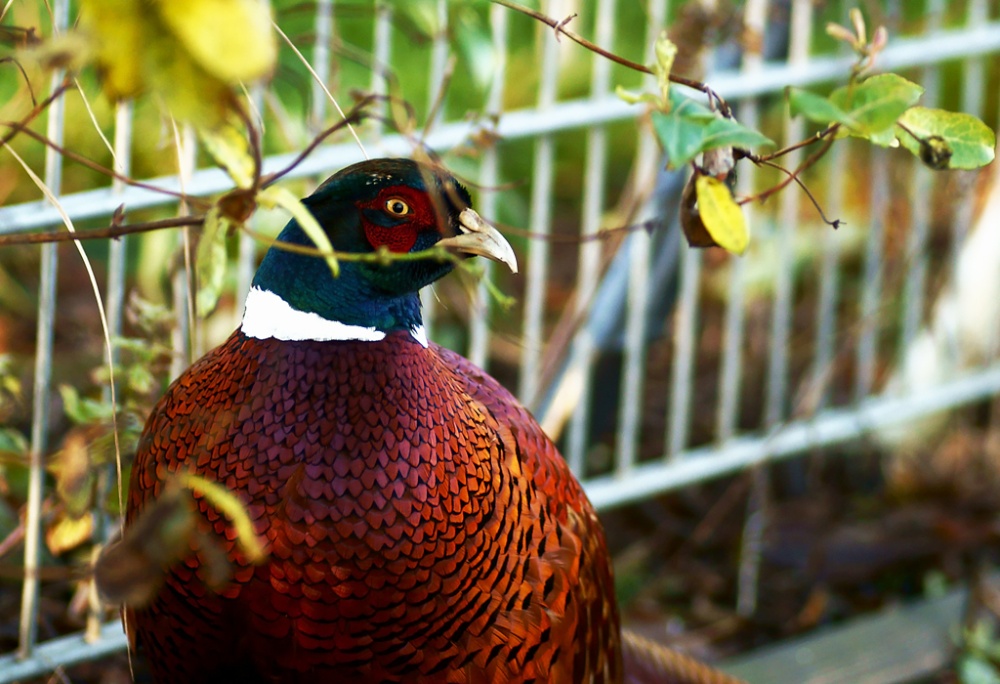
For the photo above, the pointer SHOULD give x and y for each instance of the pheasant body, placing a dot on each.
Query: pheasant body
(420, 525)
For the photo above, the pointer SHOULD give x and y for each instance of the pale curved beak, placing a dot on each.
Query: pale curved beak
(480, 238)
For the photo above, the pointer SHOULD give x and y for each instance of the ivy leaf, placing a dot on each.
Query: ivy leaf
(722, 217)
(816, 108)
(231, 40)
(210, 260)
(691, 128)
(275, 196)
(731, 133)
(876, 103)
(970, 141)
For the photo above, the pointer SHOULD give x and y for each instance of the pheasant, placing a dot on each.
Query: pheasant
(420, 526)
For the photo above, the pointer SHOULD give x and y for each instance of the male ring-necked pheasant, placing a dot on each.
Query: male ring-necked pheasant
(420, 525)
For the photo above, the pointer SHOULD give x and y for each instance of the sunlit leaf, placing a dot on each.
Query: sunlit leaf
(230, 39)
(72, 467)
(876, 103)
(118, 32)
(276, 196)
(722, 217)
(230, 506)
(230, 149)
(665, 52)
(636, 98)
(691, 128)
(67, 532)
(210, 262)
(816, 108)
(731, 133)
(970, 141)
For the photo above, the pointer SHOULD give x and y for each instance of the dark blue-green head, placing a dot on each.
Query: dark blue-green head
(395, 205)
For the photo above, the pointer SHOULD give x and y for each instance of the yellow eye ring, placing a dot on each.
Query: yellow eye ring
(397, 206)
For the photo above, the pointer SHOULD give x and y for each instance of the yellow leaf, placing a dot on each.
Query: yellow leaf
(67, 532)
(118, 32)
(230, 39)
(275, 196)
(722, 217)
(231, 150)
(230, 506)
(210, 263)
(665, 51)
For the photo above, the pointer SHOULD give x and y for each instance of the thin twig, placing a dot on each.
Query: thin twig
(113, 232)
(835, 223)
(559, 27)
(38, 109)
(353, 116)
(812, 159)
(94, 166)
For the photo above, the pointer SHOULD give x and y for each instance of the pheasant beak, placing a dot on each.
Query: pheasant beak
(479, 237)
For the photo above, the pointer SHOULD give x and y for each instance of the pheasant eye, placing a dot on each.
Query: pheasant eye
(397, 206)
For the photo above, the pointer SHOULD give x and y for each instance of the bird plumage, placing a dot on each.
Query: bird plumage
(420, 525)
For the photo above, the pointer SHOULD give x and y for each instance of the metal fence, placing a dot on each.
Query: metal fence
(655, 366)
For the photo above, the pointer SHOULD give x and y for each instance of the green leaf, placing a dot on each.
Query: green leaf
(876, 103)
(681, 137)
(13, 442)
(731, 133)
(722, 217)
(691, 128)
(210, 261)
(82, 410)
(970, 140)
(816, 108)
(275, 196)
(972, 670)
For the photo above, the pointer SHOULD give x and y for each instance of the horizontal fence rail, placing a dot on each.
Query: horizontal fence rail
(644, 304)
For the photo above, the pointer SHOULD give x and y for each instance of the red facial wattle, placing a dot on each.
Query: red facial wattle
(400, 237)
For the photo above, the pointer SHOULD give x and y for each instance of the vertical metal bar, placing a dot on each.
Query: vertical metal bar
(382, 53)
(829, 278)
(182, 333)
(28, 625)
(323, 29)
(753, 527)
(972, 102)
(489, 177)
(439, 60)
(246, 258)
(731, 374)
(582, 353)
(682, 367)
(537, 270)
(871, 293)
(114, 305)
(777, 382)
(923, 187)
(638, 245)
